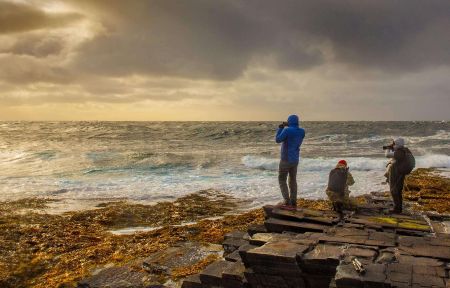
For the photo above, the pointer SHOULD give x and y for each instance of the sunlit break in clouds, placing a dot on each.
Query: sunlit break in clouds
(224, 60)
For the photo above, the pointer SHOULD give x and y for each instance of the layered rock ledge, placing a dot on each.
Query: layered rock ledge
(314, 249)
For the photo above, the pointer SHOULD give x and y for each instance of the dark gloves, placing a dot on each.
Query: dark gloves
(282, 125)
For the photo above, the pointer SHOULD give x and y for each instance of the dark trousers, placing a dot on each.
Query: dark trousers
(396, 188)
(289, 194)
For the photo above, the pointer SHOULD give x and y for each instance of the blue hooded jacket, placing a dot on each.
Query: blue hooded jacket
(291, 138)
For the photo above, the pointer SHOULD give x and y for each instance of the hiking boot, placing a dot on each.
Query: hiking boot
(288, 207)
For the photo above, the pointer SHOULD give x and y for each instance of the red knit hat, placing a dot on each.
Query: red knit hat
(343, 162)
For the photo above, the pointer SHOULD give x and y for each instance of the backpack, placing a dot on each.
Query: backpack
(409, 163)
(337, 180)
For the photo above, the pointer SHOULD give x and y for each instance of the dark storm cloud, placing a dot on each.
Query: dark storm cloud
(18, 17)
(194, 39)
(380, 34)
(220, 39)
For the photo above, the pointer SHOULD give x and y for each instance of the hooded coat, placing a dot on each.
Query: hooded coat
(291, 138)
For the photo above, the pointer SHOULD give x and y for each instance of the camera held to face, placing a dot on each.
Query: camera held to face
(389, 147)
(282, 125)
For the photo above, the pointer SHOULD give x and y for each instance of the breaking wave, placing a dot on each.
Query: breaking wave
(355, 163)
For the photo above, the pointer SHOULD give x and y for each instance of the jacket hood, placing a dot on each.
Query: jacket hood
(399, 143)
(293, 121)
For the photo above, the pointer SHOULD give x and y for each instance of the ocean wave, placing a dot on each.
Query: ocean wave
(438, 136)
(355, 163)
(433, 161)
(258, 162)
(315, 164)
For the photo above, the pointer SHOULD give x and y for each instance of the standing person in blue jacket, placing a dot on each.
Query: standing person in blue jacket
(290, 135)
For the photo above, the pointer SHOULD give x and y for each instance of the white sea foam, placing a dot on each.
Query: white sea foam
(433, 161)
(356, 163)
(411, 140)
(149, 162)
(315, 164)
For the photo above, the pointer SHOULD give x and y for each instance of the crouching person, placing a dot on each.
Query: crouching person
(338, 181)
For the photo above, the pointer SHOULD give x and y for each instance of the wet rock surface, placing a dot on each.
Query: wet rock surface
(186, 254)
(43, 250)
(119, 277)
(313, 249)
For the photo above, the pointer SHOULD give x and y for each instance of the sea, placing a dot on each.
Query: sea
(147, 162)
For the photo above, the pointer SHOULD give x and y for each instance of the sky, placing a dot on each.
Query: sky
(200, 60)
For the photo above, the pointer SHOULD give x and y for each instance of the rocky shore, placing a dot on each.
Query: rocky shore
(199, 230)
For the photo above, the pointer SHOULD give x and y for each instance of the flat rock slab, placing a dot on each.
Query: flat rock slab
(118, 277)
(372, 208)
(162, 262)
(232, 244)
(236, 235)
(433, 241)
(344, 232)
(365, 252)
(358, 236)
(268, 209)
(233, 257)
(243, 251)
(234, 271)
(260, 239)
(303, 215)
(212, 275)
(420, 280)
(386, 257)
(347, 277)
(279, 226)
(308, 248)
(276, 252)
(323, 259)
(276, 258)
(192, 281)
(424, 246)
(438, 252)
(429, 270)
(398, 222)
(424, 261)
(233, 276)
